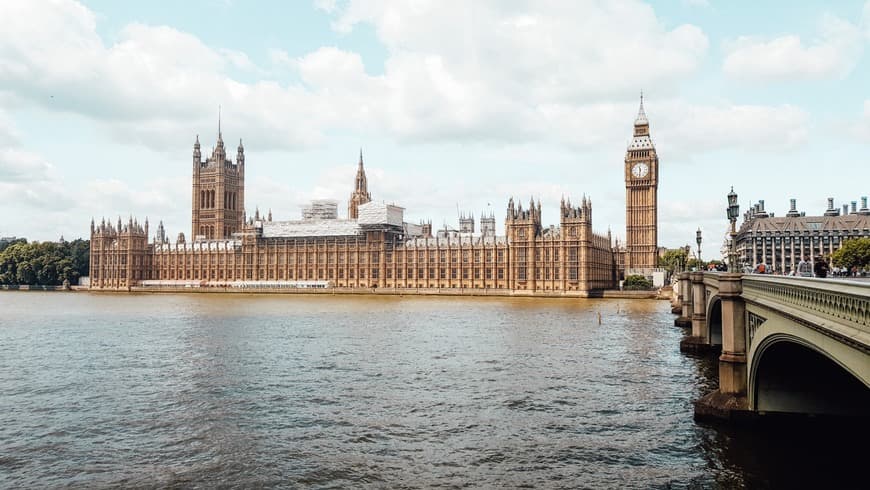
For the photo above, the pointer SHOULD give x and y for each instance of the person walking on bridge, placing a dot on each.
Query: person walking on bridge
(821, 268)
(804, 268)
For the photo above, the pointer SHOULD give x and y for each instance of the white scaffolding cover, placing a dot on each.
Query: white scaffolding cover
(310, 228)
(379, 213)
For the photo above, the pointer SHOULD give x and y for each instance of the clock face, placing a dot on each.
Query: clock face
(640, 170)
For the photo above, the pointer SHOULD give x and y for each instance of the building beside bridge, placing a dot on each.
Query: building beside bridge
(781, 241)
(374, 247)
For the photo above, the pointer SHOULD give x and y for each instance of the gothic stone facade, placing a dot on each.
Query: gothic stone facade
(226, 250)
(641, 197)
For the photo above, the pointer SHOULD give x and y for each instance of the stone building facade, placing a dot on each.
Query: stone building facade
(781, 241)
(641, 198)
(372, 248)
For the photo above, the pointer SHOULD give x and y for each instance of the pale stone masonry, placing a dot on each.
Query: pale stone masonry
(781, 241)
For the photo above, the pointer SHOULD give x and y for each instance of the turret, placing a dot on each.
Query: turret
(197, 155)
(240, 154)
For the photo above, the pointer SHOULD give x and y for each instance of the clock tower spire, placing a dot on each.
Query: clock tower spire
(641, 197)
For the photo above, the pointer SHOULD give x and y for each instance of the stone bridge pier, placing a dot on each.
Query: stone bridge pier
(697, 341)
(685, 301)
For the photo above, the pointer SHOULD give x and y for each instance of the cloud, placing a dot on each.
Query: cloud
(18, 166)
(152, 83)
(832, 55)
(687, 129)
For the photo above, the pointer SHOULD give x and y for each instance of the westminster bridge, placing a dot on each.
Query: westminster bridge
(788, 345)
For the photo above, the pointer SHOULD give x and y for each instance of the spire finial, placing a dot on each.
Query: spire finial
(219, 121)
(360, 157)
(641, 114)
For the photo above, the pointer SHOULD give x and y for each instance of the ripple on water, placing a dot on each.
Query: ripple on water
(211, 391)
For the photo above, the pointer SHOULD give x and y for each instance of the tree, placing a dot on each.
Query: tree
(695, 264)
(45, 263)
(672, 259)
(853, 253)
(4, 244)
(637, 283)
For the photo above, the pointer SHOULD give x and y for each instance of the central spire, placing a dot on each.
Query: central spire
(220, 135)
(641, 115)
(360, 194)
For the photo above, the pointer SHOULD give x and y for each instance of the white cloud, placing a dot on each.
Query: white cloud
(156, 82)
(832, 55)
(17, 165)
(701, 128)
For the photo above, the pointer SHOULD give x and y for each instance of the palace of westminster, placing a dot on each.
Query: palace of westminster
(374, 247)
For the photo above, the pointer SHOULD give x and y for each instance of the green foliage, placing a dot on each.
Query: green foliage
(45, 263)
(854, 252)
(637, 283)
(4, 244)
(673, 259)
(695, 264)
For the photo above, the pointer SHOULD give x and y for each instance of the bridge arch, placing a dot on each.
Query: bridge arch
(714, 321)
(793, 374)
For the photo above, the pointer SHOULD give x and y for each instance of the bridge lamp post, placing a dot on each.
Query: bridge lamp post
(733, 212)
(698, 239)
(688, 249)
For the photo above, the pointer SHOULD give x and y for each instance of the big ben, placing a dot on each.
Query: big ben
(641, 197)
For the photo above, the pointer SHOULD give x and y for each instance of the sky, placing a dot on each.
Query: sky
(456, 105)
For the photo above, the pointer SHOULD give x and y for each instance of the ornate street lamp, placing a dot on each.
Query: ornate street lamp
(698, 239)
(733, 212)
(686, 258)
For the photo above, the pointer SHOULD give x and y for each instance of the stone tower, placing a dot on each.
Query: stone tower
(487, 224)
(466, 223)
(360, 194)
(641, 197)
(218, 195)
(119, 254)
(523, 229)
(575, 223)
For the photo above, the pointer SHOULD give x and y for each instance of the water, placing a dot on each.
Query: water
(121, 390)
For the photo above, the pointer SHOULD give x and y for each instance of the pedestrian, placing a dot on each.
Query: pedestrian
(804, 268)
(821, 267)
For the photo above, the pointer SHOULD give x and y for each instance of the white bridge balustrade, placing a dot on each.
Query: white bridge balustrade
(788, 345)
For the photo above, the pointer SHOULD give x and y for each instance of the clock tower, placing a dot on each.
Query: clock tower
(641, 197)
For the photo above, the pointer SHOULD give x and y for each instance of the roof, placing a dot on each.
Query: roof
(641, 143)
(198, 245)
(798, 224)
(310, 228)
(463, 240)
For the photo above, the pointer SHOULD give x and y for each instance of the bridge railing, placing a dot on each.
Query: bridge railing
(836, 303)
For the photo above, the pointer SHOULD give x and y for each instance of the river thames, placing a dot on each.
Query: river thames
(206, 390)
